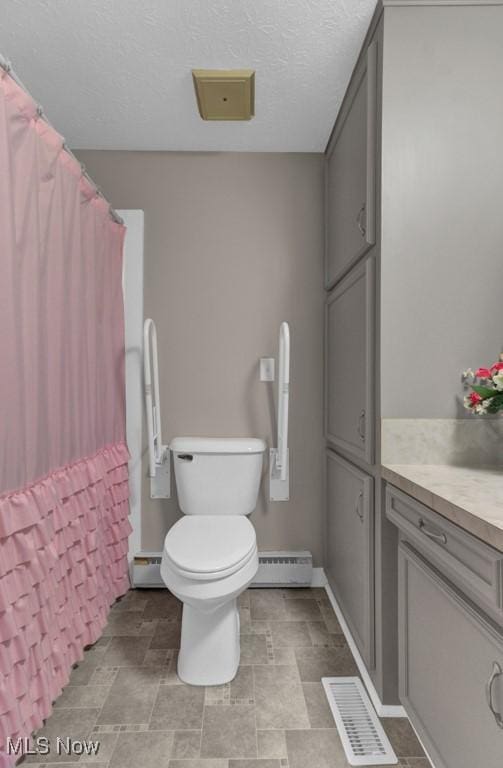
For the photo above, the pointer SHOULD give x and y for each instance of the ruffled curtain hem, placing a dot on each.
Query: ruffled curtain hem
(63, 562)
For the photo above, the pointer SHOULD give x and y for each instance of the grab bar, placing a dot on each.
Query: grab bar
(283, 398)
(279, 480)
(158, 454)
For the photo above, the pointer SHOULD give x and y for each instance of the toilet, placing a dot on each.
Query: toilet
(210, 555)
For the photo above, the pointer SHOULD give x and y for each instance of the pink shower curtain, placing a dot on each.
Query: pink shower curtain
(63, 457)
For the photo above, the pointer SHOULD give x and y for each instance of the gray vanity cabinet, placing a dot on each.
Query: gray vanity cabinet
(350, 541)
(349, 385)
(350, 175)
(451, 660)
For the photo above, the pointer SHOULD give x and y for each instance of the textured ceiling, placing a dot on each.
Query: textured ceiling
(116, 74)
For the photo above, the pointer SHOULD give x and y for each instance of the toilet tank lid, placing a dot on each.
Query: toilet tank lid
(217, 445)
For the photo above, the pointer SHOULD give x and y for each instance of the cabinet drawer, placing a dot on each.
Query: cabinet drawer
(450, 669)
(350, 526)
(475, 567)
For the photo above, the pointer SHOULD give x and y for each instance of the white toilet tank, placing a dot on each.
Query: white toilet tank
(217, 475)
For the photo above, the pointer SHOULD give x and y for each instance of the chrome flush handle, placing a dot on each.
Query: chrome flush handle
(440, 538)
(496, 672)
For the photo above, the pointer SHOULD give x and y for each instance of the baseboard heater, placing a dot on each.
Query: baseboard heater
(276, 569)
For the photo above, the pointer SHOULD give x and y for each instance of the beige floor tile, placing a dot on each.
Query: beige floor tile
(315, 663)
(330, 619)
(242, 685)
(309, 593)
(178, 707)
(402, 737)
(74, 724)
(318, 710)
(198, 764)
(319, 634)
(289, 634)
(107, 742)
(162, 606)
(186, 744)
(103, 676)
(82, 696)
(123, 623)
(271, 744)
(134, 600)
(229, 732)
(83, 672)
(285, 657)
(315, 749)
(269, 763)
(166, 636)
(126, 651)
(267, 604)
(145, 749)
(131, 696)
(279, 699)
(302, 610)
(417, 762)
(253, 650)
(158, 657)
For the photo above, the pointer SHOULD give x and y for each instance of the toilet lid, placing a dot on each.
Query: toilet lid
(209, 543)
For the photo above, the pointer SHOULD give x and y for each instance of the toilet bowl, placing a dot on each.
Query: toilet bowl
(210, 555)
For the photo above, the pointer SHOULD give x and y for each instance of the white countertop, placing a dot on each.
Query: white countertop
(471, 497)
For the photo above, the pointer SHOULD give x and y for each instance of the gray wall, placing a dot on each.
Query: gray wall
(233, 245)
(442, 200)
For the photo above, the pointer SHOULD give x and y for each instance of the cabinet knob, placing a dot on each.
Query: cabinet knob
(496, 672)
(360, 220)
(361, 424)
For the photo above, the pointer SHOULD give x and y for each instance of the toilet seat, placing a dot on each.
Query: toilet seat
(209, 547)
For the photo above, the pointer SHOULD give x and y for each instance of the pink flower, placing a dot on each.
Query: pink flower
(497, 367)
(483, 373)
(474, 398)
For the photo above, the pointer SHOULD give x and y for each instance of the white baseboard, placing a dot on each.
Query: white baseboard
(318, 579)
(383, 710)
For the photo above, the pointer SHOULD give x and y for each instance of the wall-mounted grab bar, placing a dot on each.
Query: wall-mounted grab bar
(283, 398)
(158, 454)
(279, 457)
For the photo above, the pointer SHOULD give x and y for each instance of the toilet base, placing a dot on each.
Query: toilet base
(209, 648)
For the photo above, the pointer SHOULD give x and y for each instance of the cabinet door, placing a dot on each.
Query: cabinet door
(350, 528)
(449, 669)
(349, 382)
(350, 175)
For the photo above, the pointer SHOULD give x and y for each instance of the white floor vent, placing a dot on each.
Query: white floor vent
(276, 569)
(361, 733)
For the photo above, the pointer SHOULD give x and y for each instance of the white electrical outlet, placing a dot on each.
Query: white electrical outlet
(267, 369)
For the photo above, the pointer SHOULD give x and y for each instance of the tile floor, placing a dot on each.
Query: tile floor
(126, 693)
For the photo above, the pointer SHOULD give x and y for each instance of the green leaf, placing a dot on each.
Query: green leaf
(496, 403)
(484, 392)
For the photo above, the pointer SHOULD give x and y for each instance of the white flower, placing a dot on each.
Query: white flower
(482, 407)
(468, 374)
(498, 381)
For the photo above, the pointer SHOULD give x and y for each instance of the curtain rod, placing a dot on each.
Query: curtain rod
(7, 67)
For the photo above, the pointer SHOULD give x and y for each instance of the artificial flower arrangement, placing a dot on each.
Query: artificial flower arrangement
(487, 389)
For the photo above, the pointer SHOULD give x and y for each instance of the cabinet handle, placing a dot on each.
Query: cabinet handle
(440, 538)
(361, 425)
(359, 511)
(497, 672)
(359, 221)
